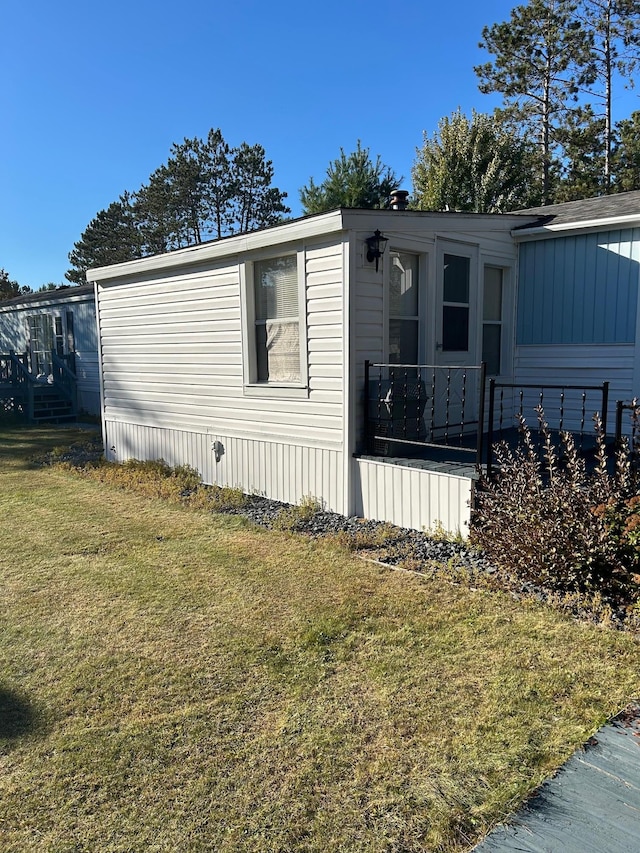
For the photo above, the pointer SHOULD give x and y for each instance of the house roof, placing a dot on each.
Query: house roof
(613, 209)
(313, 225)
(60, 294)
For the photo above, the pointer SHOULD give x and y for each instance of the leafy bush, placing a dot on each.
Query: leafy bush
(547, 519)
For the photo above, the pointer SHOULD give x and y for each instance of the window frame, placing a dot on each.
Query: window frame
(251, 385)
(423, 252)
(508, 269)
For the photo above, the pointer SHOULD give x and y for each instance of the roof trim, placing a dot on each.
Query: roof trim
(605, 223)
(323, 223)
(302, 228)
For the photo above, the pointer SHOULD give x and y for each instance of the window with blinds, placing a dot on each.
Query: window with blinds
(277, 319)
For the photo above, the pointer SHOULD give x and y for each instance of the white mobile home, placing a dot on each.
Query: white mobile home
(55, 325)
(245, 357)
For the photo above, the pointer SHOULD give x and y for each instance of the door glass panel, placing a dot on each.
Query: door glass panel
(491, 343)
(403, 285)
(492, 319)
(455, 328)
(403, 342)
(456, 279)
(59, 337)
(492, 302)
(403, 308)
(41, 343)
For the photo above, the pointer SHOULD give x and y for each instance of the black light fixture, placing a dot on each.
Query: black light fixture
(375, 247)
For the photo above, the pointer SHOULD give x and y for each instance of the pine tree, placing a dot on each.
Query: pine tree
(110, 238)
(613, 27)
(9, 288)
(541, 61)
(626, 154)
(353, 180)
(204, 190)
(255, 203)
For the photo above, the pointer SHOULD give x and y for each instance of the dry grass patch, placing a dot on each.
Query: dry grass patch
(183, 682)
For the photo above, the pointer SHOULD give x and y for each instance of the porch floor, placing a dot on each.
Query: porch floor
(440, 465)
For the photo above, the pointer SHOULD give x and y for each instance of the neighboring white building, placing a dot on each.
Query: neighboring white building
(56, 321)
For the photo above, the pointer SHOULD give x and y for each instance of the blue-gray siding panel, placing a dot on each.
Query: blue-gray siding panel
(579, 289)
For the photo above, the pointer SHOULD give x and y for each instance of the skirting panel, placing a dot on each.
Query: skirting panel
(282, 472)
(412, 497)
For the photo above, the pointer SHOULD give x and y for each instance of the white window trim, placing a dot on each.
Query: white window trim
(424, 253)
(251, 386)
(508, 267)
(471, 251)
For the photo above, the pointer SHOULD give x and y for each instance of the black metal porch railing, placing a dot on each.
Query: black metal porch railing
(633, 432)
(565, 408)
(410, 408)
(454, 414)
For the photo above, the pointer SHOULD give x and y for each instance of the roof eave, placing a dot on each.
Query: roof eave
(580, 225)
(323, 223)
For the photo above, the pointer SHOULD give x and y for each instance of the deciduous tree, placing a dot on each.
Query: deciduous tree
(476, 165)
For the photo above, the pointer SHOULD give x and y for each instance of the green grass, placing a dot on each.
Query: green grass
(173, 680)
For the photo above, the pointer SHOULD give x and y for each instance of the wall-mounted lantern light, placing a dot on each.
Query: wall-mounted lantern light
(375, 247)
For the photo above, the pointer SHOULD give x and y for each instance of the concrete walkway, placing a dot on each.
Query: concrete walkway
(592, 805)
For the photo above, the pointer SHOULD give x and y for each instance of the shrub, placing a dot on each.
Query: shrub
(291, 517)
(548, 520)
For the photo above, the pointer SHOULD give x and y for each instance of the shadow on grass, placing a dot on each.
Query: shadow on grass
(18, 717)
(22, 444)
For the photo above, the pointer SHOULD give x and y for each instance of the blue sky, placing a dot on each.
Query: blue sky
(94, 94)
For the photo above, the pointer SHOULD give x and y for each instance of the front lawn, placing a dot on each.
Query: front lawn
(173, 680)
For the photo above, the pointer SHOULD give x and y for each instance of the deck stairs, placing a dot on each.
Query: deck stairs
(50, 400)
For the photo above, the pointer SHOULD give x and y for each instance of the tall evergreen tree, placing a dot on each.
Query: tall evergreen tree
(613, 27)
(254, 203)
(9, 288)
(626, 154)
(352, 180)
(110, 238)
(583, 156)
(218, 185)
(541, 60)
(477, 165)
(204, 190)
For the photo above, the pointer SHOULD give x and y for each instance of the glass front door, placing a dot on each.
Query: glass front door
(41, 341)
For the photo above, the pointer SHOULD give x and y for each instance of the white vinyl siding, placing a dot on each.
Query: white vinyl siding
(412, 497)
(173, 365)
